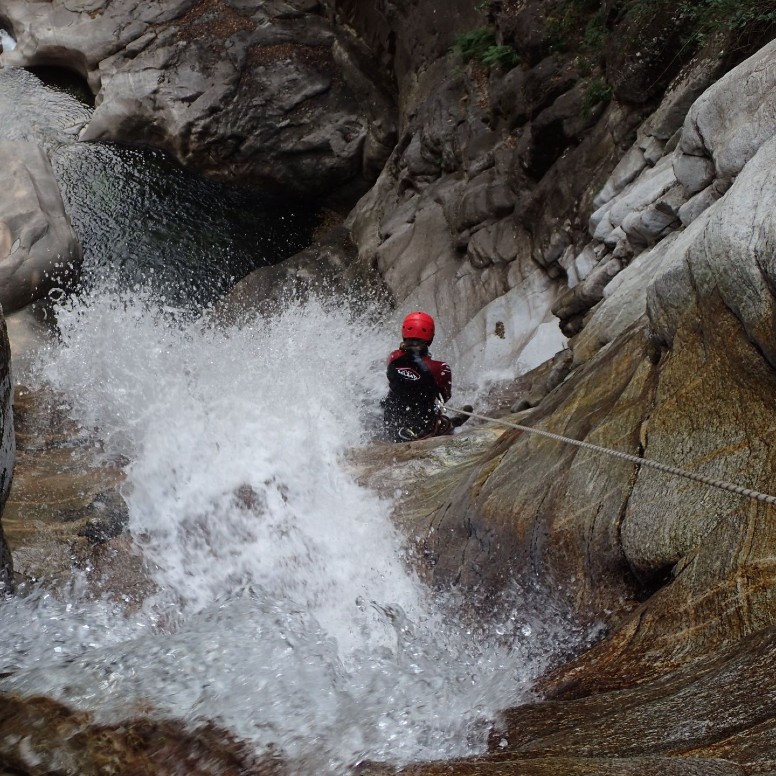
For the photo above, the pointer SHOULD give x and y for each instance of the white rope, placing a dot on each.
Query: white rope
(662, 467)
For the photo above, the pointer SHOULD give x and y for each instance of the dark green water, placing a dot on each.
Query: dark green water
(144, 220)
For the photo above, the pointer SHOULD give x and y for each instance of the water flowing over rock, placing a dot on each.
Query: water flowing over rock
(518, 207)
(39, 250)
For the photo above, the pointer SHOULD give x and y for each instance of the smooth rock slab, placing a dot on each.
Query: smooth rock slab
(38, 248)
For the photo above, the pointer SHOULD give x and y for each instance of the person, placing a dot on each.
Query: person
(417, 385)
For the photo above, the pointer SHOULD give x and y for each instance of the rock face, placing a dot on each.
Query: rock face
(673, 198)
(679, 574)
(476, 211)
(260, 93)
(7, 450)
(38, 249)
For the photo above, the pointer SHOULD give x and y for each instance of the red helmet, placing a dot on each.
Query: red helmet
(418, 325)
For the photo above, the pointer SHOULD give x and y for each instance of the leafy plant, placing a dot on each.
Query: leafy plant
(746, 21)
(473, 44)
(480, 45)
(597, 92)
(712, 16)
(576, 24)
(594, 37)
(504, 57)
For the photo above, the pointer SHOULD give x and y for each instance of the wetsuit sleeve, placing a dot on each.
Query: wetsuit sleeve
(444, 380)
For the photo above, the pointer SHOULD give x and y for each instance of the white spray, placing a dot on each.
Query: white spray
(297, 622)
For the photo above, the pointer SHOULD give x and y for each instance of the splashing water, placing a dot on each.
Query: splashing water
(236, 438)
(290, 616)
(284, 609)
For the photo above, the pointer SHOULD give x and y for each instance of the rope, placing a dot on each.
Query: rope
(662, 467)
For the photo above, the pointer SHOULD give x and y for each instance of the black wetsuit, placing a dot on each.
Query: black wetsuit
(415, 380)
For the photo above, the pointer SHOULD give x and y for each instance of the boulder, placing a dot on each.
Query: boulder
(269, 96)
(326, 269)
(731, 258)
(680, 192)
(729, 122)
(644, 192)
(42, 736)
(38, 248)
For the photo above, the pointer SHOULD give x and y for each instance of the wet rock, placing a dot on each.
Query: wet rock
(38, 248)
(504, 765)
(543, 379)
(266, 96)
(40, 737)
(487, 532)
(326, 270)
(679, 572)
(602, 535)
(64, 510)
(7, 452)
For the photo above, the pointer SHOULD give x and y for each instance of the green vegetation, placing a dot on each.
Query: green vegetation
(473, 44)
(504, 57)
(580, 25)
(746, 19)
(576, 25)
(597, 92)
(480, 45)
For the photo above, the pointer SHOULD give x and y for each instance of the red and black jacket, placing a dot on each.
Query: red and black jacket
(415, 381)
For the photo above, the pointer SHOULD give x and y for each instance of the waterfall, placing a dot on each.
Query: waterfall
(284, 606)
